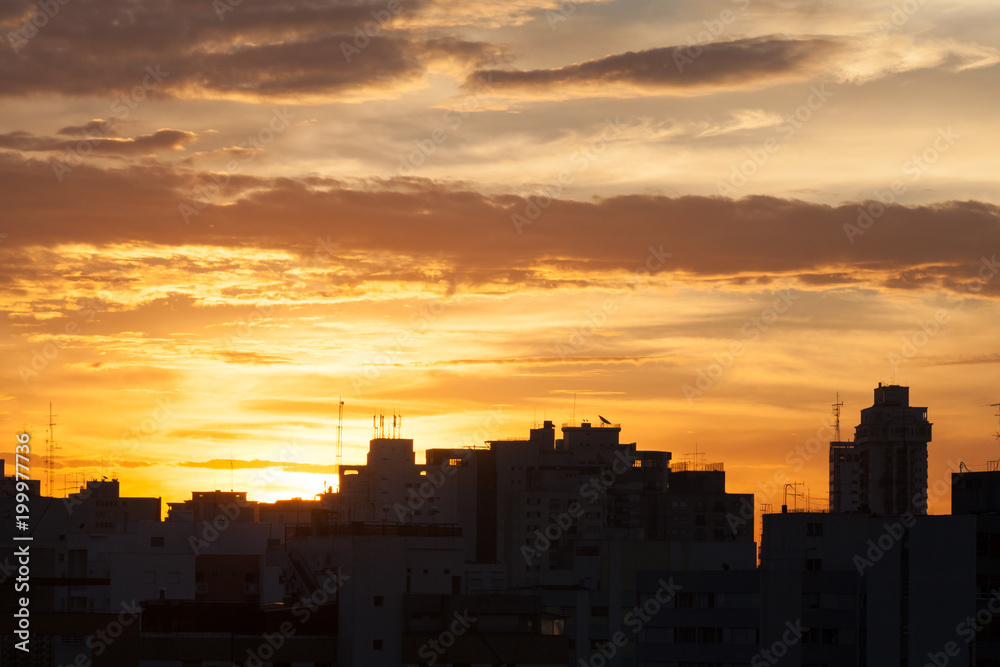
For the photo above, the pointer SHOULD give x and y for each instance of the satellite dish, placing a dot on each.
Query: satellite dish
(604, 421)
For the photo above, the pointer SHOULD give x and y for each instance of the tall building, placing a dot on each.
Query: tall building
(845, 477)
(868, 590)
(888, 458)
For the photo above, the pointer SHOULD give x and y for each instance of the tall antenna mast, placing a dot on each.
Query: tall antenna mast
(51, 447)
(340, 438)
(996, 405)
(836, 413)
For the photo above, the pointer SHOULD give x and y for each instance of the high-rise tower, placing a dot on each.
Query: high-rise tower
(890, 451)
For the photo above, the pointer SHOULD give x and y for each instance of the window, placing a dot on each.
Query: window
(814, 530)
(377, 645)
(686, 635)
(379, 600)
(156, 542)
(710, 635)
(814, 564)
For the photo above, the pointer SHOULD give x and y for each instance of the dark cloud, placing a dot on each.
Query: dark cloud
(259, 49)
(161, 140)
(95, 128)
(505, 241)
(745, 63)
(965, 360)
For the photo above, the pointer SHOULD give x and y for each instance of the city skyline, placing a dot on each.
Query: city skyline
(547, 550)
(803, 462)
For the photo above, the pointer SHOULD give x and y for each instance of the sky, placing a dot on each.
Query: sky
(707, 221)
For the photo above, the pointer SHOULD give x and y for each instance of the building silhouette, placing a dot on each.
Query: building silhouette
(565, 547)
(887, 460)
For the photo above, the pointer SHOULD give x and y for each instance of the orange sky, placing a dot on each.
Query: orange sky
(217, 223)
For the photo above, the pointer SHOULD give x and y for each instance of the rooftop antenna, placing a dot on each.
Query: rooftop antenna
(696, 457)
(836, 413)
(996, 405)
(795, 495)
(51, 447)
(340, 437)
